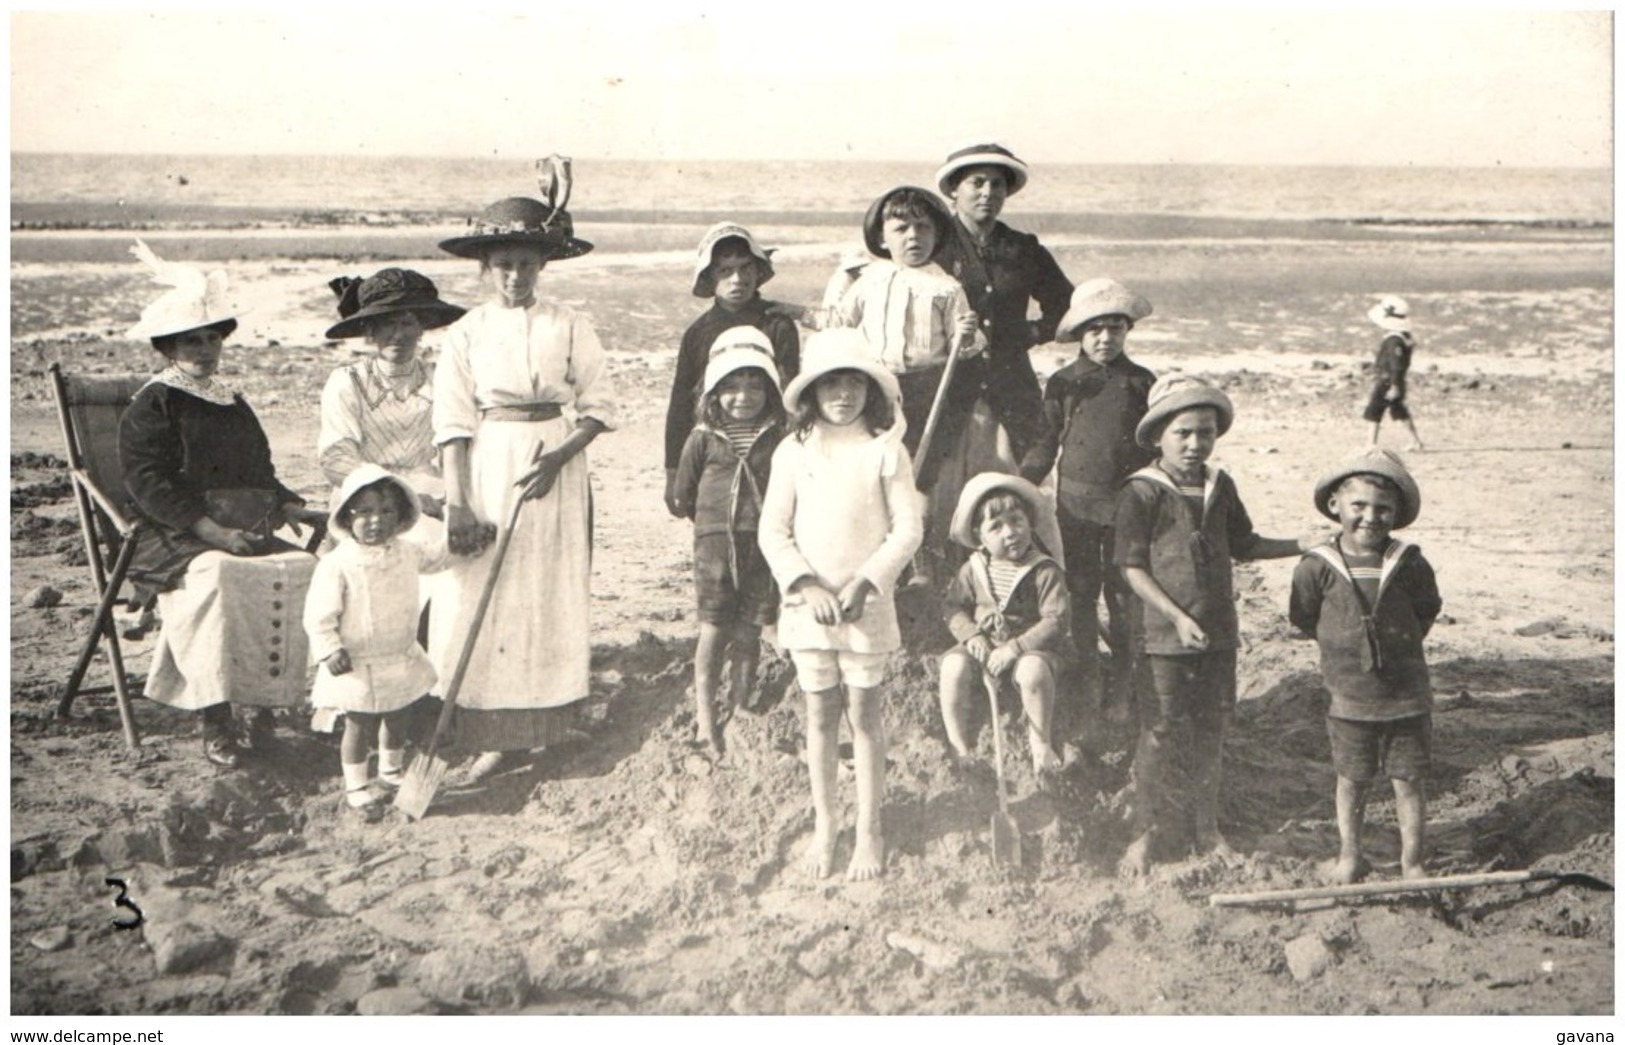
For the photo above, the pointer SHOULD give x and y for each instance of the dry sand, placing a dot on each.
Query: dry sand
(625, 873)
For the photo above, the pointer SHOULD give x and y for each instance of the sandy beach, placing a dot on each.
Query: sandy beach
(625, 873)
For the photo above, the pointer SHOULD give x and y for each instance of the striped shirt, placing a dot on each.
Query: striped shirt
(368, 419)
(1366, 569)
(1003, 574)
(741, 434)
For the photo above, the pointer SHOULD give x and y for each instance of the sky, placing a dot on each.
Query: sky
(822, 79)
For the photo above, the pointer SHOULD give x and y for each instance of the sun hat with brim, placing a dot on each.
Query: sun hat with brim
(843, 348)
(977, 155)
(1173, 394)
(963, 527)
(1373, 461)
(874, 221)
(387, 291)
(519, 221)
(1095, 298)
(704, 285)
(739, 348)
(362, 477)
(196, 299)
(1391, 313)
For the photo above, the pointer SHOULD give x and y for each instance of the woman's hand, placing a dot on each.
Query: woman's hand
(292, 515)
(338, 662)
(826, 608)
(465, 534)
(853, 597)
(226, 538)
(538, 482)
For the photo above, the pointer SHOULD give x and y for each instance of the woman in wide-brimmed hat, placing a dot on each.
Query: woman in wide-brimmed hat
(507, 373)
(197, 466)
(1002, 270)
(377, 410)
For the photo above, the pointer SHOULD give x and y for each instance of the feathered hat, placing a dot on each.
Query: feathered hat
(520, 220)
(197, 300)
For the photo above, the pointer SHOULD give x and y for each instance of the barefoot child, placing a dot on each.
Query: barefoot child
(1368, 599)
(721, 475)
(1393, 364)
(1179, 523)
(1008, 607)
(839, 523)
(362, 618)
(730, 268)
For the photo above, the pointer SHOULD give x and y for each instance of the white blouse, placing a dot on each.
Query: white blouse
(496, 356)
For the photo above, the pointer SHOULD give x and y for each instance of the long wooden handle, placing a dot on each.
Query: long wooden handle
(467, 654)
(935, 415)
(1405, 885)
(991, 684)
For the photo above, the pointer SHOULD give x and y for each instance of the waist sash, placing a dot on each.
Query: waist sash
(522, 412)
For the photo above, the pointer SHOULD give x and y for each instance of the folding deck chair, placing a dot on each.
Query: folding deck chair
(90, 409)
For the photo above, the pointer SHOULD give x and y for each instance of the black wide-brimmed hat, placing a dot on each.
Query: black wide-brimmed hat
(388, 290)
(875, 220)
(519, 221)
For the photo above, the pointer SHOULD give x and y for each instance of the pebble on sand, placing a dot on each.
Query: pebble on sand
(42, 597)
(1308, 957)
(56, 938)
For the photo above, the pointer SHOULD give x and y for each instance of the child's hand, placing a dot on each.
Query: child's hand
(965, 325)
(431, 506)
(1191, 635)
(853, 597)
(826, 608)
(338, 662)
(1392, 394)
(671, 494)
(980, 647)
(795, 313)
(1003, 658)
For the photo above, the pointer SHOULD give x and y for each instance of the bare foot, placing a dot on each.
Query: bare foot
(868, 858)
(820, 861)
(1347, 870)
(1045, 760)
(1416, 446)
(1412, 871)
(1136, 861)
(1209, 840)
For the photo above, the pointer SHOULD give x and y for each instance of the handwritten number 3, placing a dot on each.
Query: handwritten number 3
(123, 900)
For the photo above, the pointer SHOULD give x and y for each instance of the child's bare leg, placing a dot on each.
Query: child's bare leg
(1410, 802)
(1376, 426)
(1209, 755)
(823, 726)
(958, 682)
(1416, 440)
(869, 755)
(1351, 865)
(707, 662)
(1036, 683)
(745, 646)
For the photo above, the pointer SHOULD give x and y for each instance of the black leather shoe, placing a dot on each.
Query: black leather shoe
(222, 751)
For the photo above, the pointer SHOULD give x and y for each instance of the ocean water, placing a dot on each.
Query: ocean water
(452, 187)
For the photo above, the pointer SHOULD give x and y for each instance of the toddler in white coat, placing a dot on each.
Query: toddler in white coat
(361, 614)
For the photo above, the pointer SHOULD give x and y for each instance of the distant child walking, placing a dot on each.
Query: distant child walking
(839, 523)
(1009, 609)
(1393, 364)
(721, 477)
(730, 268)
(1091, 409)
(361, 614)
(1179, 524)
(1368, 599)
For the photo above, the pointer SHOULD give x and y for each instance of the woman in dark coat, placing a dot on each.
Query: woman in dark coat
(198, 467)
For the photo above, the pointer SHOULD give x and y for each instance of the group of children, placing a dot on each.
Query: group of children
(798, 473)
(805, 514)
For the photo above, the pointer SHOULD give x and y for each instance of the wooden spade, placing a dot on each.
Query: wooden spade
(1006, 835)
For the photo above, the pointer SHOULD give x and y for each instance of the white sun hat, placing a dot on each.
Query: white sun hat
(1391, 313)
(197, 300)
